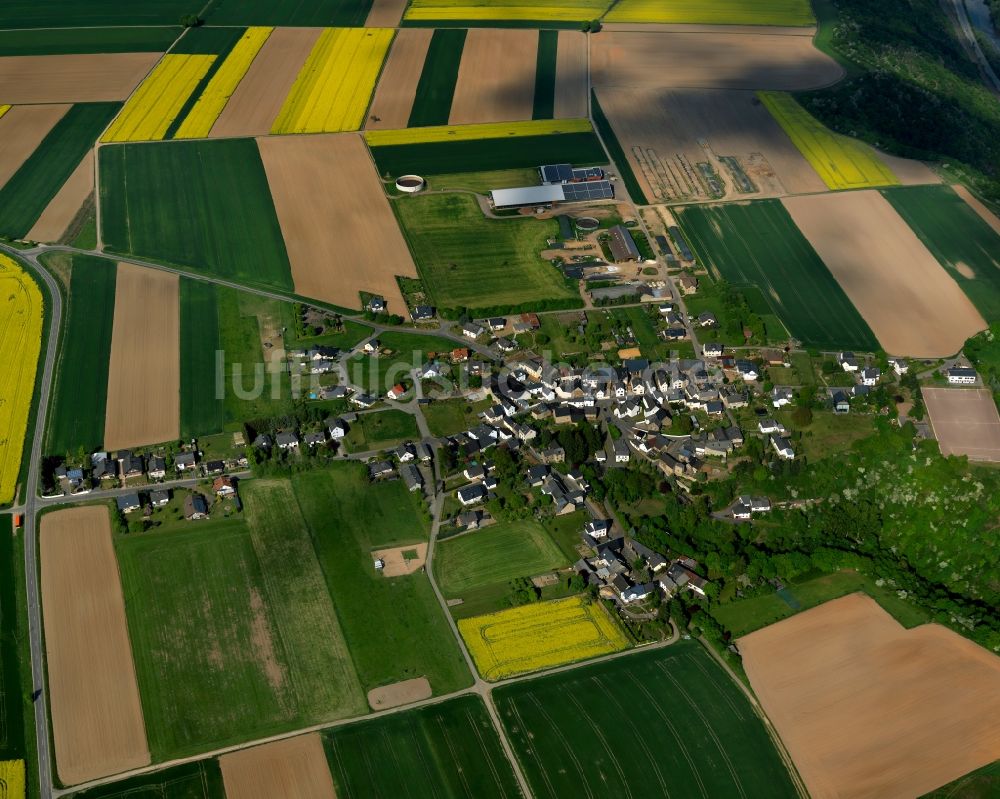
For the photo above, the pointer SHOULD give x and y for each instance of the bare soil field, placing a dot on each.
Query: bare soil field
(393, 100)
(22, 129)
(868, 709)
(399, 693)
(985, 213)
(571, 76)
(496, 79)
(341, 235)
(257, 100)
(385, 14)
(909, 171)
(710, 60)
(666, 133)
(60, 212)
(293, 768)
(72, 78)
(144, 375)
(910, 302)
(97, 723)
(965, 422)
(396, 564)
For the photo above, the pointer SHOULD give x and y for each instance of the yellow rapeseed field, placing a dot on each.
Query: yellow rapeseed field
(553, 10)
(333, 90)
(148, 113)
(11, 779)
(4, 109)
(716, 12)
(485, 130)
(539, 636)
(198, 123)
(842, 162)
(20, 341)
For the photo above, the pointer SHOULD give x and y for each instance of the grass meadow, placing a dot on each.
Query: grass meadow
(545, 75)
(450, 416)
(199, 780)
(758, 244)
(201, 411)
(11, 709)
(381, 430)
(79, 396)
(204, 205)
(958, 237)
(39, 178)
(469, 261)
(394, 626)
(449, 750)
(61, 41)
(436, 87)
(693, 730)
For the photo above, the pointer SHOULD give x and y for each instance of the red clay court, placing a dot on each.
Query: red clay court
(965, 422)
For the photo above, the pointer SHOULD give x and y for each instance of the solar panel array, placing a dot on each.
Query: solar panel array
(592, 190)
(557, 173)
(587, 173)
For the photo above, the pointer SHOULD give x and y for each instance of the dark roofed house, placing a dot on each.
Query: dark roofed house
(188, 460)
(287, 440)
(622, 245)
(195, 506)
(472, 495)
(215, 467)
(159, 498)
(380, 469)
(422, 313)
(128, 503)
(411, 476)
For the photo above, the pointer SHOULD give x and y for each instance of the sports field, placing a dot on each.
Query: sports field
(204, 205)
(720, 12)
(758, 244)
(394, 627)
(495, 554)
(549, 11)
(965, 422)
(198, 780)
(539, 636)
(958, 237)
(236, 636)
(449, 750)
(468, 260)
(694, 732)
(842, 162)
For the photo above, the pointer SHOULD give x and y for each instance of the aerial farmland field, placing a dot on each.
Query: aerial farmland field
(444, 11)
(435, 87)
(62, 41)
(12, 744)
(73, 78)
(450, 749)
(289, 12)
(71, 13)
(202, 411)
(199, 780)
(696, 733)
(286, 767)
(496, 79)
(758, 244)
(724, 12)
(397, 85)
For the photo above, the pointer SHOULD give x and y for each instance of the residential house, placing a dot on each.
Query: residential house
(899, 366)
(128, 503)
(687, 284)
(469, 519)
(870, 376)
(422, 313)
(472, 495)
(747, 370)
(637, 593)
(782, 447)
(371, 346)
(598, 528)
(380, 470)
(473, 330)
(554, 454)
(287, 440)
(769, 426)
(506, 345)
(159, 498)
(322, 353)
(396, 392)
(841, 402)
(338, 428)
(497, 323)
(157, 467)
(424, 452)
(377, 305)
(263, 441)
(712, 350)
(707, 319)
(363, 400)
(782, 396)
(405, 453)
(741, 510)
(961, 375)
(621, 451)
(316, 439)
(848, 361)
(132, 465)
(474, 471)
(195, 506)
(224, 486)
(411, 477)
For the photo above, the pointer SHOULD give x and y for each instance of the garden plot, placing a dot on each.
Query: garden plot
(72, 78)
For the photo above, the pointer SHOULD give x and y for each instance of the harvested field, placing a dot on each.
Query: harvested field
(21, 130)
(401, 560)
(965, 422)
(869, 709)
(399, 693)
(97, 720)
(667, 133)
(710, 61)
(341, 235)
(144, 373)
(908, 171)
(976, 205)
(294, 768)
(398, 85)
(496, 80)
(61, 211)
(72, 78)
(385, 14)
(911, 303)
(257, 100)
(571, 75)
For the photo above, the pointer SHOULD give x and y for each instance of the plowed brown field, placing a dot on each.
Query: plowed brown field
(496, 79)
(911, 304)
(257, 100)
(22, 128)
(97, 723)
(385, 14)
(62, 209)
(341, 235)
(72, 78)
(710, 60)
(144, 374)
(294, 768)
(870, 710)
(396, 88)
(571, 76)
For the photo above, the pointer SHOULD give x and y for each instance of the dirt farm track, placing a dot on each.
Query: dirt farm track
(870, 710)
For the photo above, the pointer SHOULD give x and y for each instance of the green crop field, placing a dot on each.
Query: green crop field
(209, 41)
(758, 244)
(326, 13)
(92, 13)
(958, 237)
(448, 750)
(29, 190)
(58, 41)
(200, 780)
(468, 260)
(11, 635)
(201, 409)
(693, 731)
(436, 87)
(545, 75)
(719, 12)
(381, 430)
(495, 555)
(79, 396)
(204, 205)
(234, 634)
(394, 626)
(485, 155)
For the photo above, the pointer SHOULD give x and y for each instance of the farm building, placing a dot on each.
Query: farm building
(566, 173)
(623, 246)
